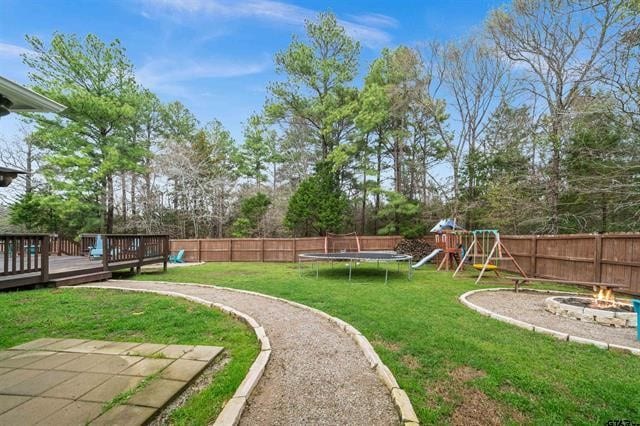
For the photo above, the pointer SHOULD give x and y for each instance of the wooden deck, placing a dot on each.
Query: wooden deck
(28, 260)
(69, 266)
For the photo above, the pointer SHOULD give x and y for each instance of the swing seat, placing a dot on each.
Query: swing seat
(490, 267)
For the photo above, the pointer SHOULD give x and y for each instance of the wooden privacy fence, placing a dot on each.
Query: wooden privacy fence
(612, 258)
(265, 249)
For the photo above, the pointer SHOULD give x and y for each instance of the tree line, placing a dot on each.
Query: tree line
(529, 124)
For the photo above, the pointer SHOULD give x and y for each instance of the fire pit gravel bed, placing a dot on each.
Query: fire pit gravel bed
(530, 307)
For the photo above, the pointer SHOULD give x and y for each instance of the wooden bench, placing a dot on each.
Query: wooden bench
(518, 281)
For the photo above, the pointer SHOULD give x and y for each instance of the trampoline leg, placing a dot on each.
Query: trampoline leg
(350, 270)
(317, 269)
(386, 274)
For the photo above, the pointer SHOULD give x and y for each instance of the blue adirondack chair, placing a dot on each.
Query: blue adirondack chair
(96, 251)
(178, 258)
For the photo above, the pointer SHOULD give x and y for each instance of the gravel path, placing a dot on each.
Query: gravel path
(529, 307)
(316, 375)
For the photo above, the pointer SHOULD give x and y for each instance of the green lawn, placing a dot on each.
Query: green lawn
(112, 315)
(456, 365)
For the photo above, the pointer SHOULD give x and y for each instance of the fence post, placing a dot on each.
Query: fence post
(597, 259)
(106, 249)
(230, 250)
(165, 251)
(534, 255)
(44, 258)
(262, 251)
(199, 250)
(141, 252)
(295, 249)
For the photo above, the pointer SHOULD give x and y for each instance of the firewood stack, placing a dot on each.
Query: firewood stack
(417, 248)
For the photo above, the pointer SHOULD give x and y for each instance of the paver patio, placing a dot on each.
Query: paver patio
(71, 381)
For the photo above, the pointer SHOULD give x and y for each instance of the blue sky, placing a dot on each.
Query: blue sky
(216, 56)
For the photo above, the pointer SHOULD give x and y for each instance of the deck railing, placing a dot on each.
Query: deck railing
(126, 248)
(22, 254)
(62, 246)
(86, 241)
(25, 254)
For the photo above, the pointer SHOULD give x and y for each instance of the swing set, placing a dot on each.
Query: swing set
(485, 252)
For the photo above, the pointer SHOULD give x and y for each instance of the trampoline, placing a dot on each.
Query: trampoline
(385, 257)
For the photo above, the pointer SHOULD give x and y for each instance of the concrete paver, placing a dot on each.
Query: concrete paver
(147, 366)
(7, 354)
(40, 383)
(62, 344)
(157, 393)
(146, 349)
(115, 364)
(115, 348)
(175, 351)
(125, 415)
(16, 376)
(183, 369)
(38, 343)
(77, 386)
(54, 360)
(32, 411)
(203, 353)
(88, 346)
(112, 388)
(76, 413)
(7, 402)
(83, 363)
(23, 359)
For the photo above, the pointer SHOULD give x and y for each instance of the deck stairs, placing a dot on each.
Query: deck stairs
(81, 279)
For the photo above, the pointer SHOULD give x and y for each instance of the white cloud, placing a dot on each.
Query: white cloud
(366, 28)
(165, 75)
(375, 20)
(8, 50)
(367, 35)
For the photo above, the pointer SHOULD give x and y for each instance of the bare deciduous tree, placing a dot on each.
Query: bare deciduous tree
(559, 48)
(471, 76)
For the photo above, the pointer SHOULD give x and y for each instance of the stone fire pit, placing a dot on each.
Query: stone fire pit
(584, 309)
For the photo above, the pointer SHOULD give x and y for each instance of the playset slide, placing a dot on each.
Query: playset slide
(426, 258)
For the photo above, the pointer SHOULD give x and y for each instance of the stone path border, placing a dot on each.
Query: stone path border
(230, 414)
(398, 395)
(528, 326)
